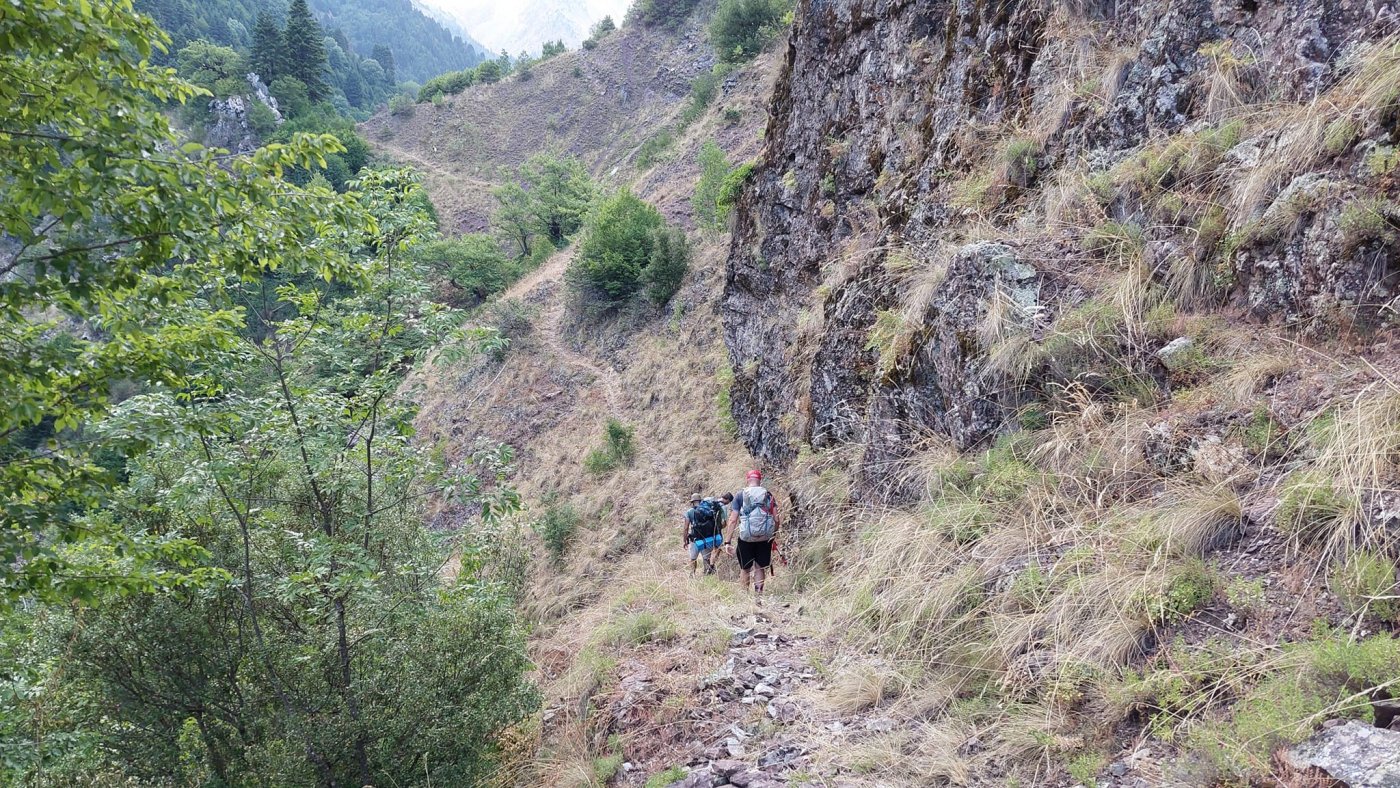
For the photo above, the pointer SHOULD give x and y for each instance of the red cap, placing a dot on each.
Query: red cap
(754, 474)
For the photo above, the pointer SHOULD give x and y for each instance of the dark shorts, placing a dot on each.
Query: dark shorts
(750, 553)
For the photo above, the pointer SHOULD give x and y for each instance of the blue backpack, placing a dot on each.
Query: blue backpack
(704, 519)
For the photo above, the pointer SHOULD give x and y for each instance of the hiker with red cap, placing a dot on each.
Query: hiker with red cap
(755, 514)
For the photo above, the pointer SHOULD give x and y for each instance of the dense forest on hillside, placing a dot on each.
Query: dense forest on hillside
(422, 47)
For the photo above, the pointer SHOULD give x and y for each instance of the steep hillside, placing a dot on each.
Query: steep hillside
(1101, 297)
(600, 105)
(1066, 333)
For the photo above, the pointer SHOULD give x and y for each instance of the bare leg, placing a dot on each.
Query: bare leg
(758, 584)
(744, 579)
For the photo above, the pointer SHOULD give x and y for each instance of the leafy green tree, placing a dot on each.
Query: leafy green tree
(215, 68)
(268, 57)
(305, 48)
(617, 247)
(705, 202)
(514, 218)
(552, 48)
(293, 99)
(560, 192)
(602, 27)
(473, 264)
(670, 258)
(116, 233)
(741, 29)
(333, 655)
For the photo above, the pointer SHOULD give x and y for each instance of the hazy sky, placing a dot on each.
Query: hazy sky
(526, 24)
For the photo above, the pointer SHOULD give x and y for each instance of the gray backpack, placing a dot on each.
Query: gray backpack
(756, 523)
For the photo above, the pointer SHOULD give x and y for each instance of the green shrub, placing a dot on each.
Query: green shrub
(1366, 584)
(556, 529)
(670, 257)
(488, 72)
(473, 264)
(662, 13)
(732, 187)
(618, 449)
(448, 84)
(401, 105)
(618, 245)
(741, 29)
(261, 118)
(605, 768)
(1190, 587)
(732, 115)
(714, 170)
(663, 779)
(1313, 681)
(650, 151)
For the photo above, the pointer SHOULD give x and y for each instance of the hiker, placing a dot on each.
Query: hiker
(753, 520)
(703, 531)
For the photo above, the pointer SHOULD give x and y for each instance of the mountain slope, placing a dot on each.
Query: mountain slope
(600, 105)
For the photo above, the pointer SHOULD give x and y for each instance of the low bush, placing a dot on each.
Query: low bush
(732, 187)
(628, 249)
(401, 106)
(670, 257)
(740, 29)
(1366, 585)
(556, 529)
(449, 84)
(662, 13)
(705, 202)
(617, 450)
(473, 264)
(650, 151)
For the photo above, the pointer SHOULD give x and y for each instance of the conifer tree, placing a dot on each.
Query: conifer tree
(268, 56)
(385, 57)
(306, 49)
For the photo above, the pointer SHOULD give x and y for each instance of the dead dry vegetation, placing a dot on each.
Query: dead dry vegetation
(1185, 559)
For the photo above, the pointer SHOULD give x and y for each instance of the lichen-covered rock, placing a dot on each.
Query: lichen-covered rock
(1357, 754)
(888, 131)
(230, 126)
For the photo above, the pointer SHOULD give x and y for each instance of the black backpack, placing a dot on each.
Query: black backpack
(704, 519)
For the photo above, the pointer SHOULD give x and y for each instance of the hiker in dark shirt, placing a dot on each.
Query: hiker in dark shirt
(703, 531)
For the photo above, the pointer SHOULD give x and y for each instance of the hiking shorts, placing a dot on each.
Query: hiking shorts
(705, 545)
(754, 553)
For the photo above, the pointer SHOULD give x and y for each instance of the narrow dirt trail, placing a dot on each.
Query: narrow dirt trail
(430, 166)
(552, 333)
(746, 713)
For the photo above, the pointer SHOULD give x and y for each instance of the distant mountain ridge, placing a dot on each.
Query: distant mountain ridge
(422, 45)
(526, 25)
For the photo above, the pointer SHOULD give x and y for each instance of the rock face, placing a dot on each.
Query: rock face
(1359, 755)
(231, 127)
(884, 116)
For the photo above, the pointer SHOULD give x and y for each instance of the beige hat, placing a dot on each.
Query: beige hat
(696, 498)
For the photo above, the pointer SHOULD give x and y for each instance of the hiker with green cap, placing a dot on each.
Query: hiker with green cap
(753, 519)
(703, 531)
